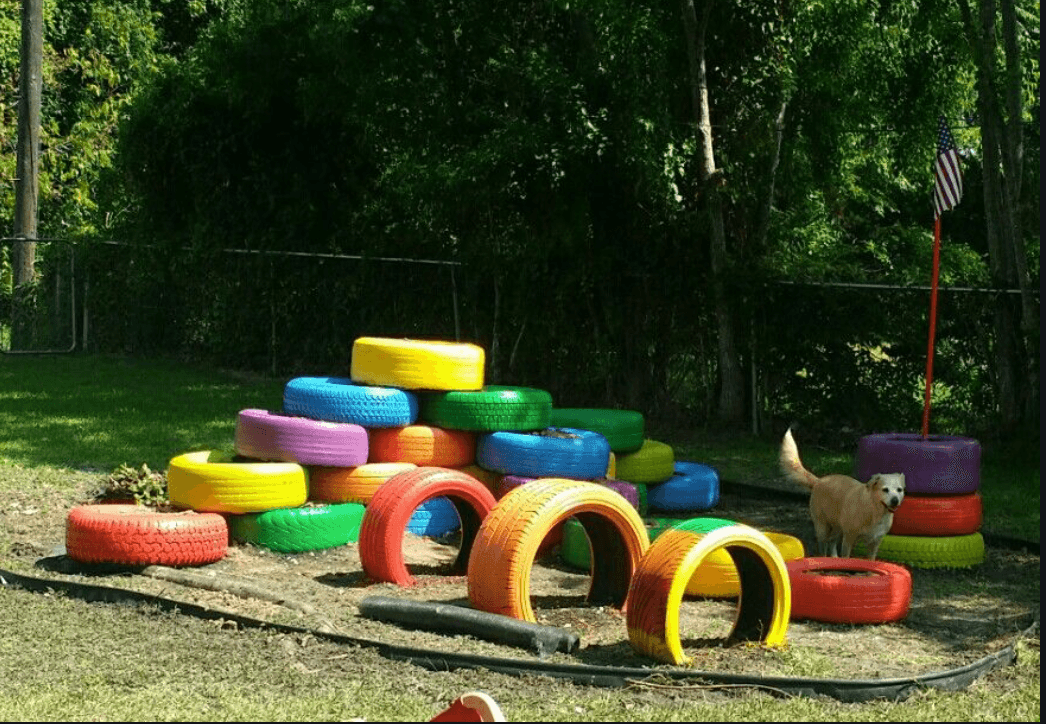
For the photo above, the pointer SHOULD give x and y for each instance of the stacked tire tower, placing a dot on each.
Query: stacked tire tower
(938, 523)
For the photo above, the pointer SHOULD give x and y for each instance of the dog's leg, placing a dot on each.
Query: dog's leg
(873, 548)
(848, 546)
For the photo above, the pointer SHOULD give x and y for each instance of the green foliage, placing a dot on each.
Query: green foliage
(142, 485)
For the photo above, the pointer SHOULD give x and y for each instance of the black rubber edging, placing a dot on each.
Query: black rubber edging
(993, 540)
(448, 618)
(850, 691)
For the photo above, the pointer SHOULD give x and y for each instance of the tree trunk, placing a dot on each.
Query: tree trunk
(731, 404)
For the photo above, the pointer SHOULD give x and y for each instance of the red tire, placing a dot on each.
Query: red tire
(818, 595)
(933, 515)
(386, 517)
(135, 535)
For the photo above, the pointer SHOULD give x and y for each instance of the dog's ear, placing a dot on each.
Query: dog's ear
(874, 480)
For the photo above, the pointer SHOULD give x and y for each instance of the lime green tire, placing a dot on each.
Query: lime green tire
(951, 551)
(296, 530)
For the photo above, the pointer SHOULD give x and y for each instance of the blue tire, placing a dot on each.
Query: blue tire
(339, 399)
(552, 453)
(434, 518)
(693, 487)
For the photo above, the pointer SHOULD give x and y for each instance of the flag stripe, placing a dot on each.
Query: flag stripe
(947, 174)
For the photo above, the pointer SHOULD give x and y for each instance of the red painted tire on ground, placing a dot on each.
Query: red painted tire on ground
(136, 535)
(423, 445)
(265, 435)
(385, 519)
(881, 597)
(937, 465)
(938, 515)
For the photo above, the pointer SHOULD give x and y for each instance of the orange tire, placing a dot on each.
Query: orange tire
(135, 535)
(386, 517)
(423, 445)
(351, 485)
(509, 538)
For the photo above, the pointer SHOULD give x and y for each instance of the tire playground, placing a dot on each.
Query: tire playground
(644, 566)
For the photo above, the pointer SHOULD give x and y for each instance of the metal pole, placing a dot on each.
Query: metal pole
(933, 323)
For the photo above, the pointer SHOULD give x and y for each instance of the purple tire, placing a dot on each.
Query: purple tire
(627, 490)
(937, 465)
(264, 435)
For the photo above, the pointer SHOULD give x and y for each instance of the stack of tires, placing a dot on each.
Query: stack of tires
(938, 523)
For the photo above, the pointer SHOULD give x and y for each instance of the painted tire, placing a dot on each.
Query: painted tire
(434, 518)
(413, 364)
(817, 595)
(933, 515)
(578, 454)
(654, 462)
(488, 478)
(296, 530)
(623, 429)
(385, 519)
(692, 487)
(652, 610)
(209, 481)
(265, 435)
(938, 465)
(423, 445)
(339, 399)
(491, 409)
(954, 551)
(506, 484)
(351, 485)
(135, 535)
(508, 540)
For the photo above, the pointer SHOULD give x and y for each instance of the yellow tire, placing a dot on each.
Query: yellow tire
(509, 537)
(413, 364)
(716, 577)
(612, 466)
(654, 462)
(351, 485)
(488, 478)
(209, 481)
(652, 608)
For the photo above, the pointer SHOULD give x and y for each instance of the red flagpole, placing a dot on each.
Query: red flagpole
(933, 323)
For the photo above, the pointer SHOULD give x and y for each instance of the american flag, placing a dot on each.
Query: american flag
(947, 190)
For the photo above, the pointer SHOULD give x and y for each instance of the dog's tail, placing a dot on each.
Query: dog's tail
(791, 467)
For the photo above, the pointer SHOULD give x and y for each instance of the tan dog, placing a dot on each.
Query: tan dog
(845, 510)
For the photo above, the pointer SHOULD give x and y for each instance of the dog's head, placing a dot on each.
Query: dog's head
(888, 488)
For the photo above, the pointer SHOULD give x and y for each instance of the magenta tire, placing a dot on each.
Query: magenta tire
(937, 465)
(264, 435)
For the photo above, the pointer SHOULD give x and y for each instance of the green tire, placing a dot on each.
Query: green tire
(492, 409)
(623, 429)
(952, 551)
(296, 530)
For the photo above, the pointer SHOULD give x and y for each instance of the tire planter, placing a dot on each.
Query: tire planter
(554, 452)
(654, 462)
(623, 429)
(296, 530)
(492, 409)
(937, 465)
(271, 436)
(881, 596)
(692, 487)
(385, 519)
(136, 535)
(434, 518)
(413, 364)
(508, 540)
(932, 515)
(956, 551)
(339, 399)
(351, 485)
(211, 482)
(423, 445)
(652, 609)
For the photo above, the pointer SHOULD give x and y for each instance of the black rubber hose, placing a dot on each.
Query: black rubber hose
(447, 618)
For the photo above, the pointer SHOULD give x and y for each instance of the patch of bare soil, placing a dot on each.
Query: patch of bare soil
(956, 616)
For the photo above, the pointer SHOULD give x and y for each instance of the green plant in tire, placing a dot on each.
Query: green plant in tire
(142, 485)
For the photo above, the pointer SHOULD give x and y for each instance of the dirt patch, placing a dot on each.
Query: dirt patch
(956, 616)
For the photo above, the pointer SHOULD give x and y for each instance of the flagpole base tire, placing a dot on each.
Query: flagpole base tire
(623, 429)
(692, 487)
(351, 485)
(210, 482)
(508, 540)
(492, 409)
(935, 465)
(423, 445)
(826, 589)
(954, 551)
(413, 364)
(136, 535)
(386, 517)
(938, 515)
(264, 435)
(652, 610)
(339, 399)
(296, 530)
(553, 452)
(654, 462)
